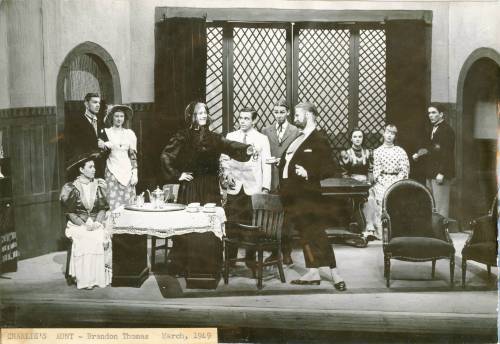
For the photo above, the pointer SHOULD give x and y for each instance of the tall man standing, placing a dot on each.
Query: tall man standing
(81, 131)
(280, 135)
(249, 177)
(438, 154)
(306, 161)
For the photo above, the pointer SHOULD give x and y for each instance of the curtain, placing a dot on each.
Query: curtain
(180, 65)
(179, 78)
(408, 84)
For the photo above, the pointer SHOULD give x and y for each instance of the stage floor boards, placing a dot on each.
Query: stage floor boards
(37, 296)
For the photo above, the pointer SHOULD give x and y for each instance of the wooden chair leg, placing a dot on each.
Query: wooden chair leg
(260, 266)
(464, 270)
(433, 268)
(387, 269)
(452, 271)
(166, 251)
(280, 267)
(153, 252)
(489, 270)
(69, 252)
(226, 263)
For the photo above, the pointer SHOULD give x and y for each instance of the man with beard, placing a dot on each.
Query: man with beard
(305, 162)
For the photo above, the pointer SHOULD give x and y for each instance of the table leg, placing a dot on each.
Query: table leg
(130, 260)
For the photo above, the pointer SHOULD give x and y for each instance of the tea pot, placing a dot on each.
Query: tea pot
(157, 197)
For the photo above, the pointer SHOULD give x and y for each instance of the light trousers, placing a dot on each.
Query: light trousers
(441, 194)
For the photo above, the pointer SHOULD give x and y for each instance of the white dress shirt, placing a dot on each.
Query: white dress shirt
(252, 175)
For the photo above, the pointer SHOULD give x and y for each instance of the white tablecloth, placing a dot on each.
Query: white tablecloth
(169, 223)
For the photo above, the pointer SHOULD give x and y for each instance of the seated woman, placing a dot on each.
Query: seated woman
(357, 163)
(390, 164)
(85, 206)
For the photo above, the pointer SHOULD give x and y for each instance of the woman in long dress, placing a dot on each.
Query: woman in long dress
(121, 165)
(191, 158)
(391, 164)
(84, 203)
(357, 162)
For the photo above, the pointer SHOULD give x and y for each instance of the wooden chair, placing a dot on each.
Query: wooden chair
(172, 191)
(482, 245)
(412, 230)
(263, 235)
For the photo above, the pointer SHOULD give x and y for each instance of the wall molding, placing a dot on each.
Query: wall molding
(290, 15)
(36, 111)
(142, 107)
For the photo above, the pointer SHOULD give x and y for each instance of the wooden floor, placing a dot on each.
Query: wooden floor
(414, 306)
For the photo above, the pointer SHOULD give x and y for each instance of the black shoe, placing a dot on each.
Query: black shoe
(306, 282)
(340, 286)
(287, 259)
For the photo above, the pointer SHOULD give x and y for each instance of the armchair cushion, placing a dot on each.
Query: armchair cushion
(419, 247)
(483, 252)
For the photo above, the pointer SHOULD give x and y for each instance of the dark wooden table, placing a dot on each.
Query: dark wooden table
(356, 193)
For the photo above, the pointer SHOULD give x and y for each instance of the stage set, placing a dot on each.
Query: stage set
(363, 65)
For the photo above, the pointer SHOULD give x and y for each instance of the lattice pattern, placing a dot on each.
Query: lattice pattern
(324, 79)
(214, 76)
(259, 65)
(372, 90)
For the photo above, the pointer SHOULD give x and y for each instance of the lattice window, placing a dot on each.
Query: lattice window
(214, 76)
(323, 79)
(372, 90)
(259, 70)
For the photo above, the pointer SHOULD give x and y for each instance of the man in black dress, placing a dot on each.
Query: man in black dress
(306, 161)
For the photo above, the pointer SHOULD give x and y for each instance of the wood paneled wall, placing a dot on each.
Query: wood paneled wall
(30, 140)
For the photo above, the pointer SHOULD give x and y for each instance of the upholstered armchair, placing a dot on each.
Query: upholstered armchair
(482, 245)
(412, 230)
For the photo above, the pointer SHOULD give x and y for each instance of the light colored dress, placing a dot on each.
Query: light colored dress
(122, 159)
(390, 164)
(90, 262)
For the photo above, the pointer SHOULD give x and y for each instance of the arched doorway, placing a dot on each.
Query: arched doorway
(478, 100)
(86, 68)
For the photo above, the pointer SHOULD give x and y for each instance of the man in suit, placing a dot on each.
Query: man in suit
(81, 131)
(305, 162)
(280, 135)
(249, 177)
(438, 154)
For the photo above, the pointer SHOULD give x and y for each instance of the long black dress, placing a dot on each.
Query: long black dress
(197, 151)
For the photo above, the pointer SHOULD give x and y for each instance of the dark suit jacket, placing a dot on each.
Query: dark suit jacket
(277, 148)
(314, 154)
(79, 136)
(441, 156)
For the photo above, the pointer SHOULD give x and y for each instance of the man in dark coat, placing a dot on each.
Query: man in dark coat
(81, 131)
(438, 154)
(305, 162)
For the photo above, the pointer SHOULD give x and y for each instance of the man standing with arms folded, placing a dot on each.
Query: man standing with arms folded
(249, 177)
(439, 156)
(280, 135)
(305, 162)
